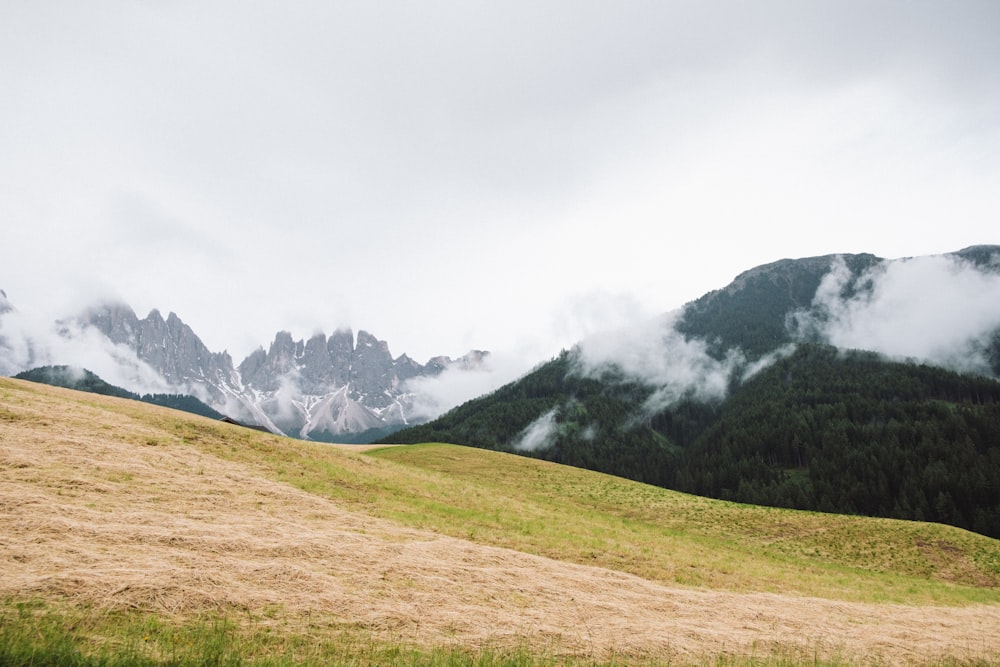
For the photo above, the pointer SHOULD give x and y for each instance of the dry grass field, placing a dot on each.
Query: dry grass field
(112, 510)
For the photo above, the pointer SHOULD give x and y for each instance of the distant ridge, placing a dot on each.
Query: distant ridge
(81, 379)
(341, 388)
(331, 389)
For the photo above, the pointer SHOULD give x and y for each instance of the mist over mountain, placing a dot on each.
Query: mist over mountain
(82, 379)
(334, 388)
(167, 346)
(844, 383)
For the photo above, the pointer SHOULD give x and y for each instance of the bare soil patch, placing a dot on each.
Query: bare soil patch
(91, 513)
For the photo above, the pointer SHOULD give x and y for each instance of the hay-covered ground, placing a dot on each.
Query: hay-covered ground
(99, 510)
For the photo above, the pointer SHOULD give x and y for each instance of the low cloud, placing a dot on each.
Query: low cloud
(539, 434)
(940, 310)
(435, 395)
(753, 368)
(27, 342)
(658, 355)
(288, 398)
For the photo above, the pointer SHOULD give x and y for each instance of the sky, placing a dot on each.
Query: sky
(506, 176)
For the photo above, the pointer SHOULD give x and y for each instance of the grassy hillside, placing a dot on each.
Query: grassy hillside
(130, 530)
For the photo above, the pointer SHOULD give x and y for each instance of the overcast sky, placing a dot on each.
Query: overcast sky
(506, 176)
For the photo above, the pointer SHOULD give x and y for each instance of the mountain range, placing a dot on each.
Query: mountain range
(337, 388)
(842, 383)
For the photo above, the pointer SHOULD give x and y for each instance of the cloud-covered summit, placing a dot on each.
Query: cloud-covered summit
(942, 310)
(336, 388)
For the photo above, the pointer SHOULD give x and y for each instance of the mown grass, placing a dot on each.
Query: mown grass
(589, 518)
(39, 634)
(584, 517)
(490, 498)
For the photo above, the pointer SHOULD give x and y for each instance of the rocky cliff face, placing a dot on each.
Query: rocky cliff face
(168, 346)
(325, 388)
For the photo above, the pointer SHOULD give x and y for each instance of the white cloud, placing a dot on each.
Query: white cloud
(539, 434)
(658, 355)
(27, 342)
(252, 166)
(938, 309)
(435, 395)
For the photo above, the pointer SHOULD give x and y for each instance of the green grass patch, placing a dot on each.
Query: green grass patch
(583, 516)
(43, 634)
(38, 634)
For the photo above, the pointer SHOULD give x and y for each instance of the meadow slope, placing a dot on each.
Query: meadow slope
(113, 507)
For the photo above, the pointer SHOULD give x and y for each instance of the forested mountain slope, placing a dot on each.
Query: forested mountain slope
(742, 397)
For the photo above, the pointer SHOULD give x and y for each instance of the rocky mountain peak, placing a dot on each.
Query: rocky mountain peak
(115, 320)
(472, 360)
(317, 369)
(984, 256)
(325, 387)
(265, 371)
(372, 371)
(169, 346)
(252, 364)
